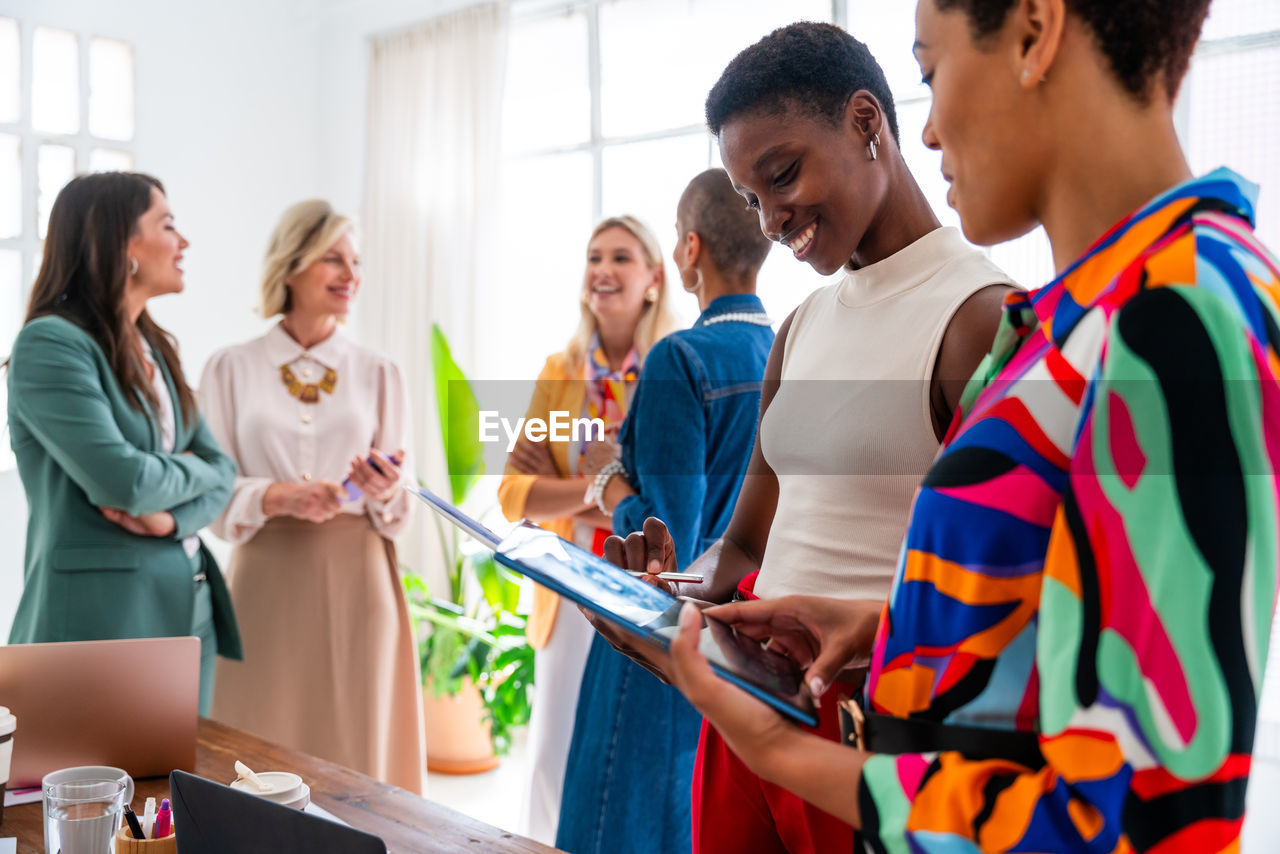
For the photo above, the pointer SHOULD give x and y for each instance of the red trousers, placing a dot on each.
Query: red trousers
(735, 812)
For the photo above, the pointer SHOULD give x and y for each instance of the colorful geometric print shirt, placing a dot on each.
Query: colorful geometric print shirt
(1093, 554)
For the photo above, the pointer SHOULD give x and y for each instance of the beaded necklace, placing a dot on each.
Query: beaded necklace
(757, 318)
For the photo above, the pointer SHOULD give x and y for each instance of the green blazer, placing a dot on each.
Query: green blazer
(81, 446)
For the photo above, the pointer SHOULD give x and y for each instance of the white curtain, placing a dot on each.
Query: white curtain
(431, 182)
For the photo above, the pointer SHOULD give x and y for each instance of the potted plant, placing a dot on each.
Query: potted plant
(477, 667)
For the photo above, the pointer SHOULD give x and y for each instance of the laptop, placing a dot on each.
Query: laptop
(210, 818)
(638, 607)
(132, 704)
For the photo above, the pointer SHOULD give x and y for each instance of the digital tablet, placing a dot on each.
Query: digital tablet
(637, 607)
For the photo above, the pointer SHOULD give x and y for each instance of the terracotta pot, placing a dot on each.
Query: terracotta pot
(457, 735)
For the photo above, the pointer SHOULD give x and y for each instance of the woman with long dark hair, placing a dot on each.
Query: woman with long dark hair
(1072, 652)
(119, 469)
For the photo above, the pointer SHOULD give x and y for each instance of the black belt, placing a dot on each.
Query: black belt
(887, 734)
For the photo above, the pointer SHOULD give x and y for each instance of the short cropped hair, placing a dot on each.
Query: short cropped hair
(305, 232)
(730, 231)
(809, 67)
(1139, 38)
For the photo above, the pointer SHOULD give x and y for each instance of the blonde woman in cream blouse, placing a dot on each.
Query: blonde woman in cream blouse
(330, 665)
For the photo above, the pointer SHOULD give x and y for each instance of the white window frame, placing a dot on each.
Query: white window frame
(28, 241)
(534, 10)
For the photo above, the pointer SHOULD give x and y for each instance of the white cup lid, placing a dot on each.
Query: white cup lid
(285, 786)
(8, 723)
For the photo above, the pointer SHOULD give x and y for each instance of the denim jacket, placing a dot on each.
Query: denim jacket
(692, 425)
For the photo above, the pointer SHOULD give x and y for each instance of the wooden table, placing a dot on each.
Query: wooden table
(406, 822)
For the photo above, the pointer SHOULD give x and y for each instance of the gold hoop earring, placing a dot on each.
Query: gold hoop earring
(651, 295)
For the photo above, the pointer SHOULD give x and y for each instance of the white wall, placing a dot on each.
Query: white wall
(345, 30)
(227, 117)
(243, 107)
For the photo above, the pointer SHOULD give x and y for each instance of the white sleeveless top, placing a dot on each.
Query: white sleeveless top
(850, 432)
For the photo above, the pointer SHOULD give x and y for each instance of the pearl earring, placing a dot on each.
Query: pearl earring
(872, 144)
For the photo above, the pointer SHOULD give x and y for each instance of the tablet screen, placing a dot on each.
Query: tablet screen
(649, 612)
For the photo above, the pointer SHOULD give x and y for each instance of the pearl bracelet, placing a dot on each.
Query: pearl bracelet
(602, 480)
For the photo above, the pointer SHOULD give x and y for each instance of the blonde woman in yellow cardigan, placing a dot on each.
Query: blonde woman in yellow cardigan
(624, 310)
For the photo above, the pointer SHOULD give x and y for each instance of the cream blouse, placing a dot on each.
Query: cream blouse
(274, 436)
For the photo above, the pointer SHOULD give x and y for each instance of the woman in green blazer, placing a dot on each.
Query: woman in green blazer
(119, 469)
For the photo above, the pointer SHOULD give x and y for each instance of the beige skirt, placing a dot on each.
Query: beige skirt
(330, 664)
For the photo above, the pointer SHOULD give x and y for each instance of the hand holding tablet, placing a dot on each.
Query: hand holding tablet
(638, 607)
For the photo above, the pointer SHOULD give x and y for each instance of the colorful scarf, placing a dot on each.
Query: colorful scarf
(608, 393)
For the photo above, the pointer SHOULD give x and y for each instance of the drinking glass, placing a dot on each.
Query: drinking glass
(81, 816)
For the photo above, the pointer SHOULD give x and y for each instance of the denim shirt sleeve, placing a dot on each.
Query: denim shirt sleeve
(664, 448)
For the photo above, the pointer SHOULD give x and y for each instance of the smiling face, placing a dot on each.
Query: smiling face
(157, 247)
(617, 276)
(814, 184)
(327, 286)
(995, 141)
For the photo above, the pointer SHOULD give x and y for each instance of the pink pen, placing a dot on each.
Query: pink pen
(162, 820)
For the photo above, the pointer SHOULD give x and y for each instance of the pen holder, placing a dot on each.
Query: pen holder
(126, 844)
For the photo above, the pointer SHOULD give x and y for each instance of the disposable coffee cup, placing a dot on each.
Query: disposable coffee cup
(283, 788)
(8, 724)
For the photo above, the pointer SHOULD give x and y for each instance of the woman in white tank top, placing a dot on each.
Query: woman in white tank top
(860, 385)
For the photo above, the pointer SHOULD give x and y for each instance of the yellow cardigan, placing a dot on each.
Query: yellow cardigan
(556, 390)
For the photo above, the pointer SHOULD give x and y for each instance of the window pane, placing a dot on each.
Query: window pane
(57, 166)
(889, 31)
(1240, 17)
(924, 164)
(11, 311)
(110, 160)
(1029, 259)
(660, 80)
(10, 59)
(540, 267)
(548, 96)
(645, 180)
(10, 298)
(10, 185)
(1234, 122)
(55, 86)
(110, 89)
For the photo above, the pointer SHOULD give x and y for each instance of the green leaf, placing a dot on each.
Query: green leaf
(459, 418)
(501, 589)
(444, 648)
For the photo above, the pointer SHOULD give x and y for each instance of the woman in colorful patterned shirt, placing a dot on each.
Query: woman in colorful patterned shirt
(1071, 654)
